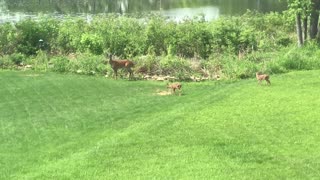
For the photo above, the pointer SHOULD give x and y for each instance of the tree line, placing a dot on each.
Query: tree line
(306, 13)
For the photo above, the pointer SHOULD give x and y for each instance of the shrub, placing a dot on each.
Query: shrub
(29, 32)
(28, 36)
(293, 61)
(91, 43)
(149, 64)
(69, 35)
(305, 58)
(121, 36)
(157, 33)
(87, 64)
(274, 67)
(49, 31)
(17, 58)
(6, 62)
(7, 38)
(40, 61)
(60, 64)
(160, 46)
(235, 69)
(174, 66)
(193, 39)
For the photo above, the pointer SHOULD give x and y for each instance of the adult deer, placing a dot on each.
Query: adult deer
(121, 64)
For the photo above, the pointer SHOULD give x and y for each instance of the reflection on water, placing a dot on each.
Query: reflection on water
(178, 14)
(15, 10)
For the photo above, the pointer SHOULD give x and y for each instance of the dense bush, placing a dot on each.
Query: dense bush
(158, 34)
(231, 47)
(69, 35)
(194, 39)
(7, 38)
(91, 43)
(129, 37)
(121, 36)
(60, 64)
(13, 61)
(306, 58)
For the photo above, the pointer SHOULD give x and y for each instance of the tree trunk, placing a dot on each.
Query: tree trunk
(305, 29)
(299, 29)
(314, 19)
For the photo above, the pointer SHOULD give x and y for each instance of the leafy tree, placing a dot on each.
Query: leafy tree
(314, 18)
(303, 10)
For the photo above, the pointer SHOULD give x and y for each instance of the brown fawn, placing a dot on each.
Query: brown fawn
(121, 64)
(261, 77)
(174, 87)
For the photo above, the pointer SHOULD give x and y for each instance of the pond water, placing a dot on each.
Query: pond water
(14, 10)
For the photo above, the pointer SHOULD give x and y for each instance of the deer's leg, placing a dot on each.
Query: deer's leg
(116, 73)
(130, 73)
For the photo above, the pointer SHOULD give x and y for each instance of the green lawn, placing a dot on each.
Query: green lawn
(55, 126)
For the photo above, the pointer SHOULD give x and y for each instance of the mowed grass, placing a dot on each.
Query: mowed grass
(56, 126)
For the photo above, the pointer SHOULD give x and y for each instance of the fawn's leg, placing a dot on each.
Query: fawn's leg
(174, 90)
(259, 82)
(268, 81)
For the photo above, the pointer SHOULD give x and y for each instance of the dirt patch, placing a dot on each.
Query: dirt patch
(33, 75)
(163, 93)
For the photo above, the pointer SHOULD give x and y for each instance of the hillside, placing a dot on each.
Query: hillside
(58, 126)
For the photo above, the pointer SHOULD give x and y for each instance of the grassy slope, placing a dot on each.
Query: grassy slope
(70, 127)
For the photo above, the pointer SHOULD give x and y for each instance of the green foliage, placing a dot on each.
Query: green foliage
(87, 64)
(6, 62)
(148, 64)
(12, 61)
(264, 32)
(235, 69)
(194, 39)
(17, 58)
(158, 45)
(302, 58)
(28, 36)
(230, 35)
(7, 38)
(70, 33)
(91, 43)
(157, 34)
(225, 34)
(175, 66)
(60, 64)
(40, 61)
(274, 67)
(121, 36)
(29, 32)
(300, 6)
(49, 28)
